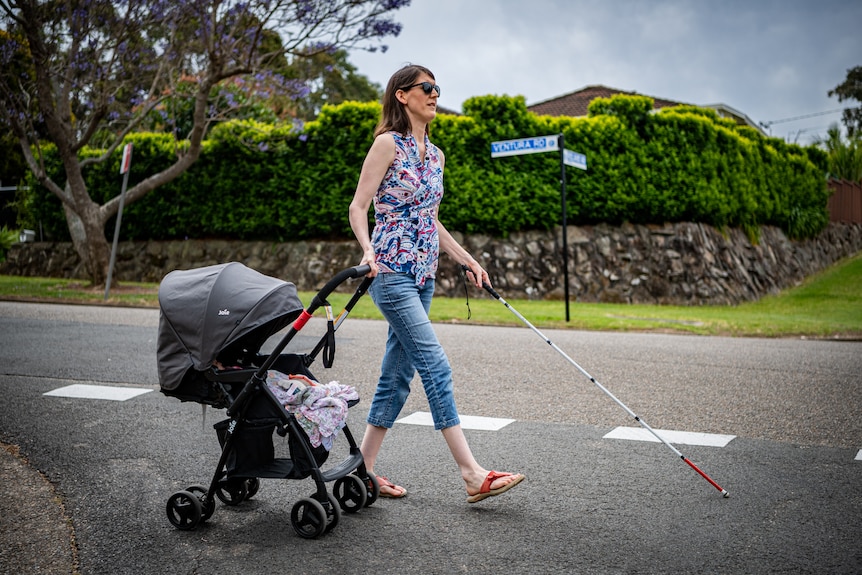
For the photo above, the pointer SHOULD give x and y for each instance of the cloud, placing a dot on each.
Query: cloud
(771, 59)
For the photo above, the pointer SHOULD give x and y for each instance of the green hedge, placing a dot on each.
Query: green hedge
(260, 181)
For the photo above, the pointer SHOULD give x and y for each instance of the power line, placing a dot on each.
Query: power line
(769, 123)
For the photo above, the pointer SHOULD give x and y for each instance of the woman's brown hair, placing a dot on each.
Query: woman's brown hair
(394, 118)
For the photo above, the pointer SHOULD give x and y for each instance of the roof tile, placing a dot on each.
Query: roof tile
(575, 103)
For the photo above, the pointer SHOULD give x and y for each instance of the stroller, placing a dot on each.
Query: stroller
(212, 324)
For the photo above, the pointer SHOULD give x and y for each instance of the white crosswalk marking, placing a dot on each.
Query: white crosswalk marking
(82, 391)
(467, 421)
(683, 437)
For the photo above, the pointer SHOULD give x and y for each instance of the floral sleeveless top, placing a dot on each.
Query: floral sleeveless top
(405, 232)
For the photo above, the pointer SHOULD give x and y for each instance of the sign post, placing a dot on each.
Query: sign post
(537, 144)
(125, 166)
(565, 224)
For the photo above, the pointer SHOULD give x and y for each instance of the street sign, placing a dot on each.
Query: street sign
(567, 158)
(524, 146)
(574, 159)
(127, 159)
(124, 171)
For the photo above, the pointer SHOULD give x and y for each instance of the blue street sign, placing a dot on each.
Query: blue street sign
(574, 159)
(524, 146)
(567, 158)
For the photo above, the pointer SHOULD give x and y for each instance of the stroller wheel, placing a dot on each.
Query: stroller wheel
(232, 491)
(351, 493)
(207, 504)
(308, 518)
(252, 486)
(372, 487)
(184, 510)
(333, 513)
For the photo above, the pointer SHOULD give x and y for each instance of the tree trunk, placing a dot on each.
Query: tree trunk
(88, 237)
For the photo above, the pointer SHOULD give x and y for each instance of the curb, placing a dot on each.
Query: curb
(36, 535)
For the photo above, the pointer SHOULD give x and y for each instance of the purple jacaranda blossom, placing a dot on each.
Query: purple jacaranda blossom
(117, 66)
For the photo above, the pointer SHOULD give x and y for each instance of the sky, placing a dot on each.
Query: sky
(773, 60)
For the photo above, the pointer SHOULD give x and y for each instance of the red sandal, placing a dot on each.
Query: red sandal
(485, 491)
(383, 482)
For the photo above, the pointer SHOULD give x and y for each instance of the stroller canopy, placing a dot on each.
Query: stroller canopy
(205, 310)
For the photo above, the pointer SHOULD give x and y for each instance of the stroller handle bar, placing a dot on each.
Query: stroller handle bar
(339, 278)
(317, 302)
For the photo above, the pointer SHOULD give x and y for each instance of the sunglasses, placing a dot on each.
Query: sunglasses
(426, 87)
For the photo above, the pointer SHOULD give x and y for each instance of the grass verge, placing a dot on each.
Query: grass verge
(826, 305)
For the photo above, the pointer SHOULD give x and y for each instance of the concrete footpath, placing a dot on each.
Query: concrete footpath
(36, 534)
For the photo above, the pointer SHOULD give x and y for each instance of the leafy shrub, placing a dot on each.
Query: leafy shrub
(7, 238)
(265, 181)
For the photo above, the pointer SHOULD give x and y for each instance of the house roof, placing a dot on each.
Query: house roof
(445, 110)
(575, 104)
(726, 111)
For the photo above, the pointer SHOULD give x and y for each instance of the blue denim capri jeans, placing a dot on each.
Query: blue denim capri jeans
(411, 346)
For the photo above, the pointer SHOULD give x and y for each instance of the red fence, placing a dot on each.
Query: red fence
(845, 203)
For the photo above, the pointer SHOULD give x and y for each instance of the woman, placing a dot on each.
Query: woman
(403, 176)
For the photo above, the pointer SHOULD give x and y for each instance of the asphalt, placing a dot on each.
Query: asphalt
(36, 533)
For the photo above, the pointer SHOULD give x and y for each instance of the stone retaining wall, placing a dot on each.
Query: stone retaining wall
(685, 263)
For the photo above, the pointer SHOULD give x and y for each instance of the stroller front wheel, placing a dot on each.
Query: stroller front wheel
(308, 518)
(184, 510)
(351, 493)
(232, 491)
(252, 486)
(333, 513)
(207, 503)
(373, 489)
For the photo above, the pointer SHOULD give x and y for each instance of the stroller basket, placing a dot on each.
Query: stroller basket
(214, 359)
(253, 454)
